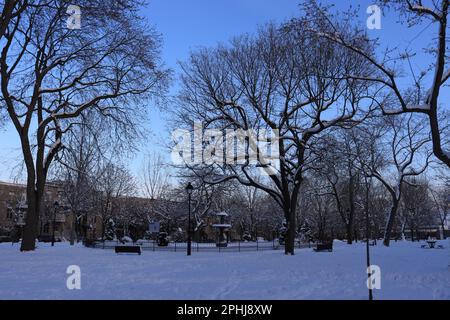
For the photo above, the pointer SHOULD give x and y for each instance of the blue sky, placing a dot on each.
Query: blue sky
(188, 24)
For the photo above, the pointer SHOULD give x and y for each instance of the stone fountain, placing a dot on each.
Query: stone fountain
(221, 226)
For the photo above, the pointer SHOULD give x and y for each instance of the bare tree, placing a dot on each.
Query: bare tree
(206, 197)
(441, 199)
(113, 183)
(86, 147)
(318, 206)
(406, 155)
(278, 80)
(393, 66)
(416, 205)
(250, 197)
(11, 9)
(338, 165)
(51, 74)
(76, 176)
(155, 177)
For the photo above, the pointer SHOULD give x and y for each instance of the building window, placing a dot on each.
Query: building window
(46, 228)
(9, 213)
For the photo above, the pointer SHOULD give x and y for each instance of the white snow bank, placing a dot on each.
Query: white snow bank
(408, 272)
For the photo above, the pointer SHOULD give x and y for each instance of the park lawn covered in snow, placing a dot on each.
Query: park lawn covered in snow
(408, 272)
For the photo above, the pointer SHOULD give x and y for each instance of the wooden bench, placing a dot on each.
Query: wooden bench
(326, 246)
(128, 249)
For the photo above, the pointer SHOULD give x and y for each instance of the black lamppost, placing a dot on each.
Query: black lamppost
(55, 208)
(367, 237)
(189, 189)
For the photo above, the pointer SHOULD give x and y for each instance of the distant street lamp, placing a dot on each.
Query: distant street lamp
(55, 208)
(189, 189)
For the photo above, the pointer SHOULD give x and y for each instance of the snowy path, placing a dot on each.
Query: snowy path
(408, 272)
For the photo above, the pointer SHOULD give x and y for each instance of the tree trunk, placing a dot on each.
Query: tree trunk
(390, 223)
(104, 224)
(72, 229)
(30, 230)
(84, 227)
(36, 180)
(403, 230)
(442, 231)
(290, 214)
(349, 232)
(290, 233)
(351, 213)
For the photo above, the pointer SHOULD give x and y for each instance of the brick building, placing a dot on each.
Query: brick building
(56, 214)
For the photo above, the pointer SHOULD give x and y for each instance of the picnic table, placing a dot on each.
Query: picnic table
(431, 243)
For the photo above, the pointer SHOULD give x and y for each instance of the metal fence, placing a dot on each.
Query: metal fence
(235, 246)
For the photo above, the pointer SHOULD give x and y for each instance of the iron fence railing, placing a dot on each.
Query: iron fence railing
(234, 246)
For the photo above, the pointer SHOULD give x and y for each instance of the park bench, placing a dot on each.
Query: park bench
(128, 249)
(5, 239)
(325, 246)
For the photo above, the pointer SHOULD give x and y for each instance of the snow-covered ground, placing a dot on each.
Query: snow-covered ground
(407, 272)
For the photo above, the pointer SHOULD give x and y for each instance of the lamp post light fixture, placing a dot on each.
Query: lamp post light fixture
(189, 189)
(55, 208)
